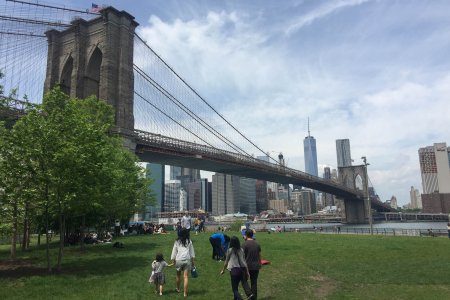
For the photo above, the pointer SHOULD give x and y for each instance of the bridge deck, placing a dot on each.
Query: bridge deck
(157, 148)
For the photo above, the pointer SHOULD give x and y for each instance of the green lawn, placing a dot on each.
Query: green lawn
(303, 266)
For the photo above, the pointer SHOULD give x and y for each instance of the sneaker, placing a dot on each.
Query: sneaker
(249, 297)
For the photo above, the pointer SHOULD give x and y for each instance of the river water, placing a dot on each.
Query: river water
(379, 225)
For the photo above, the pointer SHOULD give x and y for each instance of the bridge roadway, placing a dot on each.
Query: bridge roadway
(165, 150)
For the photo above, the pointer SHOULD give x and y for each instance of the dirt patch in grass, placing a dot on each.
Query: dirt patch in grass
(326, 286)
(20, 268)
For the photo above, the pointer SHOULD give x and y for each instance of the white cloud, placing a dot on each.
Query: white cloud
(385, 101)
(320, 12)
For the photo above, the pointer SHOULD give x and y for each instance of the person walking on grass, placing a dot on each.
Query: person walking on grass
(448, 229)
(252, 253)
(183, 257)
(158, 266)
(235, 263)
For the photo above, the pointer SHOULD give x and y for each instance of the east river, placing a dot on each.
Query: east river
(378, 225)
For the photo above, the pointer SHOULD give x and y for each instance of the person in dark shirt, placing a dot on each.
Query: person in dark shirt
(252, 253)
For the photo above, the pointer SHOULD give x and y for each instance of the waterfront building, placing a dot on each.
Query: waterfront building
(310, 154)
(172, 195)
(232, 194)
(281, 205)
(194, 195)
(186, 177)
(247, 195)
(435, 171)
(393, 202)
(272, 190)
(328, 199)
(416, 199)
(224, 194)
(156, 172)
(262, 203)
(344, 158)
(303, 202)
(206, 195)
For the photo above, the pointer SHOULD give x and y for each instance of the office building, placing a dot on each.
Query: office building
(206, 195)
(327, 199)
(303, 202)
(247, 195)
(194, 195)
(262, 203)
(310, 153)
(172, 196)
(186, 176)
(393, 202)
(415, 198)
(156, 172)
(344, 158)
(435, 170)
(280, 206)
(232, 194)
(183, 200)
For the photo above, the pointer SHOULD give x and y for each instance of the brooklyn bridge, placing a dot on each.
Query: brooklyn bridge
(158, 114)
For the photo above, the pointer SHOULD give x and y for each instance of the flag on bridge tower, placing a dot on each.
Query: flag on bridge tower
(95, 8)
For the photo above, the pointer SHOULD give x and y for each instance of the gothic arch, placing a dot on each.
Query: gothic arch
(93, 73)
(352, 177)
(66, 76)
(359, 184)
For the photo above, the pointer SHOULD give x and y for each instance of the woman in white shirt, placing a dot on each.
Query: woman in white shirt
(183, 256)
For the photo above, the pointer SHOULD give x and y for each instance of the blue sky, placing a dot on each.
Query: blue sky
(376, 72)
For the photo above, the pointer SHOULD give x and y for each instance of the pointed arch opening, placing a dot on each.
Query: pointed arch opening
(359, 182)
(92, 78)
(66, 76)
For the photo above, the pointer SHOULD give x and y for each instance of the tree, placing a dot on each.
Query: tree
(73, 166)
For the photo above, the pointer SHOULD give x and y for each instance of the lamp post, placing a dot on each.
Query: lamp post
(366, 189)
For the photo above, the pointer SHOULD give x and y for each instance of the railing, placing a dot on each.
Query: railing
(377, 231)
(200, 151)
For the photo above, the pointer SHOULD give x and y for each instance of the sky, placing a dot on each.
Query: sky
(375, 72)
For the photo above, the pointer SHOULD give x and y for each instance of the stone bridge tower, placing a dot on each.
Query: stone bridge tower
(356, 210)
(95, 57)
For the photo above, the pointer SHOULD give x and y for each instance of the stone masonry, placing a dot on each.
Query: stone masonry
(95, 57)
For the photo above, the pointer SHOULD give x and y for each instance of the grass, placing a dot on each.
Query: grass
(303, 266)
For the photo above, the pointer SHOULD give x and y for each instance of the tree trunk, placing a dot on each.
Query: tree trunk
(61, 240)
(25, 229)
(83, 226)
(14, 232)
(47, 246)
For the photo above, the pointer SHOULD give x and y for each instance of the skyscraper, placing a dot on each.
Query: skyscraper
(157, 173)
(186, 176)
(435, 168)
(435, 171)
(232, 194)
(344, 158)
(328, 198)
(416, 199)
(172, 195)
(310, 152)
